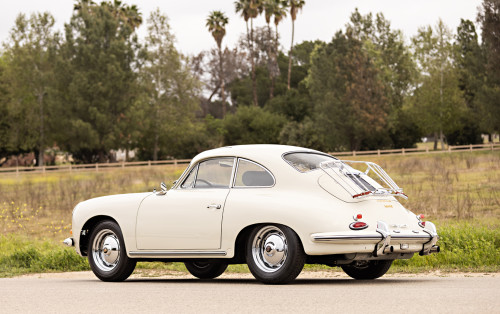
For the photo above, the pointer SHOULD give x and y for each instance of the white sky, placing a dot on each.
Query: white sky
(320, 19)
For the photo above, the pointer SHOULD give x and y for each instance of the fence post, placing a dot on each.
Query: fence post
(43, 169)
(491, 146)
(427, 149)
(449, 148)
(378, 152)
(149, 163)
(175, 164)
(403, 150)
(354, 153)
(69, 167)
(470, 147)
(96, 167)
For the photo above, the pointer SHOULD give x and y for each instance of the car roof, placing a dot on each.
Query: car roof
(256, 152)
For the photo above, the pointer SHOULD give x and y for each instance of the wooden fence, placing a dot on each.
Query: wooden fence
(97, 167)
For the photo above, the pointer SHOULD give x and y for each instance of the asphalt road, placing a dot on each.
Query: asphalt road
(311, 293)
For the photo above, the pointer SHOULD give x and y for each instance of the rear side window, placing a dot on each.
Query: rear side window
(305, 162)
(251, 174)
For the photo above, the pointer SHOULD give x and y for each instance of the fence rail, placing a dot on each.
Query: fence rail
(97, 167)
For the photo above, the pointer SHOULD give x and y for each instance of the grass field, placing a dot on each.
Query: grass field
(460, 192)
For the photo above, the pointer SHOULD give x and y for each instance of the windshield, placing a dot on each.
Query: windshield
(305, 162)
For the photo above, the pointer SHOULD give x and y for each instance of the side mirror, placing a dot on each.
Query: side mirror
(163, 190)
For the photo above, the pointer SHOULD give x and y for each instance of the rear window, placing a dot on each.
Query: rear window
(305, 162)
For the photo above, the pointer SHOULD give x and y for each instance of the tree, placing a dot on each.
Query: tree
(216, 24)
(97, 78)
(438, 101)
(252, 125)
(350, 107)
(279, 13)
(397, 71)
(169, 97)
(469, 61)
(276, 9)
(29, 58)
(249, 10)
(489, 18)
(295, 7)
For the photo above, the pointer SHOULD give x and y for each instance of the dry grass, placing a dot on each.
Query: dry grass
(41, 205)
(447, 186)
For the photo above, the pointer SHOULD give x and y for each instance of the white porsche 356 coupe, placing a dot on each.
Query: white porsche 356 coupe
(272, 207)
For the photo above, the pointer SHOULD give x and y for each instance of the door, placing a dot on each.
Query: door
(190, 216)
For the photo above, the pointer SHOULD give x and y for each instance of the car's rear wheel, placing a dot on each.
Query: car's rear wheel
(274, 254)
(205, 270)
(107, 255)
(367, 269)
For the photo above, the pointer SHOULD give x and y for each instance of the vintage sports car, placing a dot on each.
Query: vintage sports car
(272, 207)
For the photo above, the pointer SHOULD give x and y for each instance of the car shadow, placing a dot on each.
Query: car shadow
(315, 281)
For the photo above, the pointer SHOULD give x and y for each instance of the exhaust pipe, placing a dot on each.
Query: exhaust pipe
(388, 249)
(435, 249)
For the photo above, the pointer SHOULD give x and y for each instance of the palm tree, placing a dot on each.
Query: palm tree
(216, 23)
(276, 9)
(295, 7)
(249, 10)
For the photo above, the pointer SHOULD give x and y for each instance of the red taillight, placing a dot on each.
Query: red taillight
(359, 216)
(358, 225)
(421, 224)
(421, 216)
(362, 194)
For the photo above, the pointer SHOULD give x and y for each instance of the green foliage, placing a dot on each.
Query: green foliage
(489, 17)
(19, 256)
(465, 246)
(252, 125)
(438, 102)
(168, 96)
(29, 81)
(97, 81)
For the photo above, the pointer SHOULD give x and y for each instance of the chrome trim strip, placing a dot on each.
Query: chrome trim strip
(346, 238)
(367, 237)
(177, 253)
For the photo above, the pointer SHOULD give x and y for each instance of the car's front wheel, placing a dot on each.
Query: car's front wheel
(367, 269)
(107, 255)
(274, 254)
(204, 270)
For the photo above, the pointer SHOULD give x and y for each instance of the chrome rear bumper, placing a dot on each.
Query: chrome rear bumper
(384, 238)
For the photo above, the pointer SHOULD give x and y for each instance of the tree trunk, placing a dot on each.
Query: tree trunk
(41, 149)
(435, 141)
(252, 61)
(155, 147)
(222, 93)
(270, 55)
(441, 139)
(290, 56)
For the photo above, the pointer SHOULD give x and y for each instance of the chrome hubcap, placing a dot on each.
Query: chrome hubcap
(269, 249)
(106, 250)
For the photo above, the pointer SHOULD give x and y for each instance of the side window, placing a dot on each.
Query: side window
(189, 182)
(252, 174)
(214, 173)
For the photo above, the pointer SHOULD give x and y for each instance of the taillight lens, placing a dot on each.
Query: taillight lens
(421, 224)
(358, 225)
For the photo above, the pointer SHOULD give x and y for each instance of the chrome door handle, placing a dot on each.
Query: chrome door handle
(216, 206)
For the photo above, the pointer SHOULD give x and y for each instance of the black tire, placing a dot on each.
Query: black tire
(107, 254)
(367, 269)
(274, 254)
(205, 270)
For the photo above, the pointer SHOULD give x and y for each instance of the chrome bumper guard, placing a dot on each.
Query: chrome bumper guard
(69, 242)
(383, 238)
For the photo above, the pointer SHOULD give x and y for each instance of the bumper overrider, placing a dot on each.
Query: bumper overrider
(385, 240)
